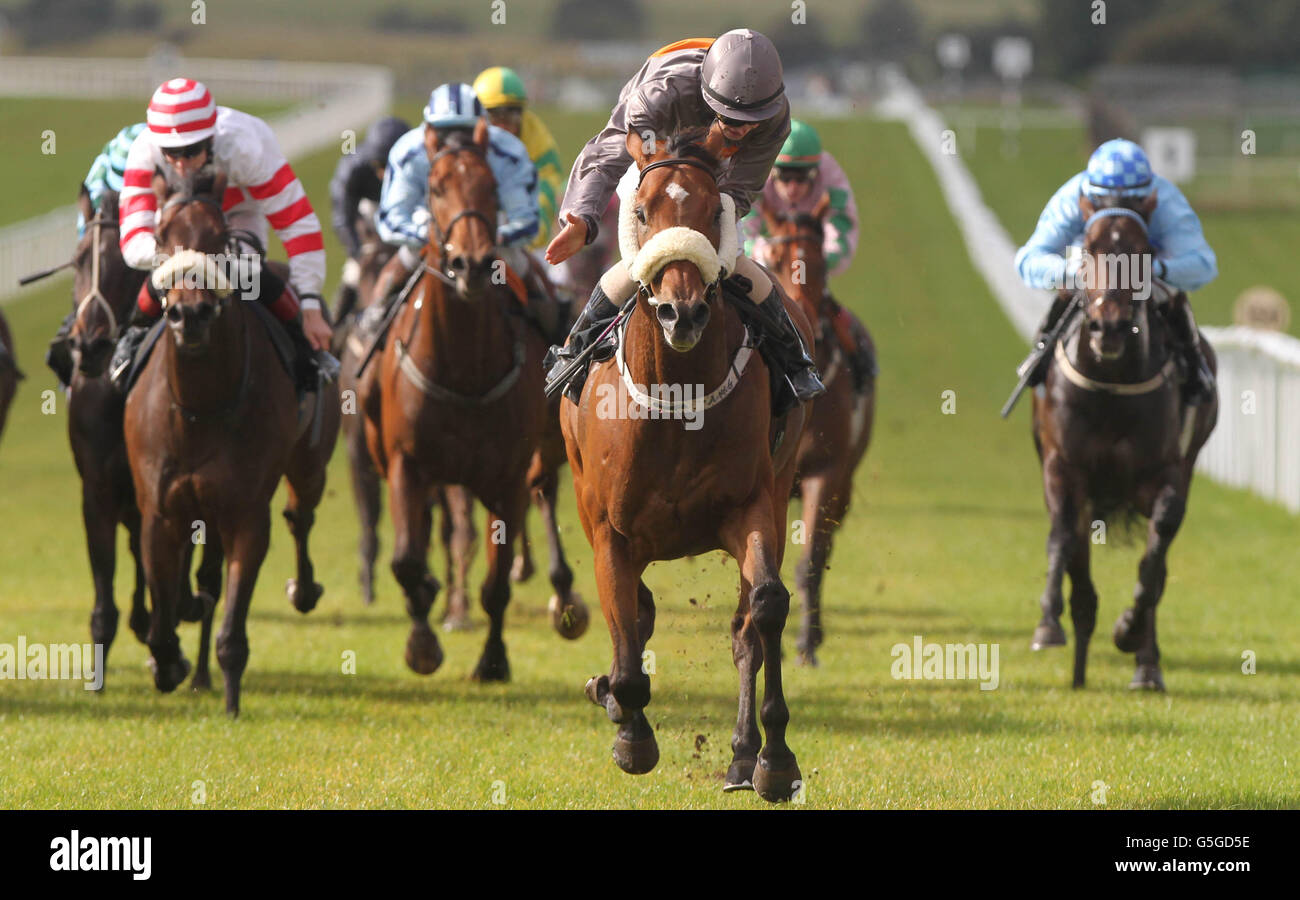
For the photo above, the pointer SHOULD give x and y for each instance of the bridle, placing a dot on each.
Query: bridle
(712, 290)
(444, 235)
(96, 296)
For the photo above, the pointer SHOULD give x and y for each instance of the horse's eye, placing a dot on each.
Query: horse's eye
(640, 214)
(435, 190)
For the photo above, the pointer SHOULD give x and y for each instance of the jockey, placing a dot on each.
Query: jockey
(501, 92)
(105, 175)
(1119, 170)
(186, 132)
(357, 177)
(403, 216)
(802, 175)
(734, 86)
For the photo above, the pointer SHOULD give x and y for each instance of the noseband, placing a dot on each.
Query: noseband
(468, 213)
(95, 296)
(713, 289)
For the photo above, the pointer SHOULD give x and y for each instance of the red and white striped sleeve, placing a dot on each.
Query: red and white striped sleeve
(138, 207)
(271, 181)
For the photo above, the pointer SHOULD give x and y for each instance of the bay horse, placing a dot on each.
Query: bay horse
(211, 427)
(1114, 438)
(837, 434)
(10, 374)
(456, 399)
(650, 488)
(104, 293)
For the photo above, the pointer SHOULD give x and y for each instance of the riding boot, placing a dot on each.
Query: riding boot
(853, 341)
(128, 345)
(59, 355)
(388, 285)
(786, 348)
(1039, 358)
(592, 321)
(345, 302)
(1198, 380)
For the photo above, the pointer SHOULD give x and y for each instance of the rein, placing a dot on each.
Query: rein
(96, 296)
(467, 213)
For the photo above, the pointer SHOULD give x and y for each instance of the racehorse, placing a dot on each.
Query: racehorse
(839, 430)
(456, 399)
(211, 427)
(1114, 439)
(650, 488)
(104, 290)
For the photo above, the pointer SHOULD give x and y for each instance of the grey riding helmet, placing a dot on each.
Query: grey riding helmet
(741, 76)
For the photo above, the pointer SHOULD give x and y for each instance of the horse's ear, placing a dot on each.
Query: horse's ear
(481, 133)
(430, 140)
(1148, 205)
(715, 141)
(1086, 206)
(822, 207)
(641, 147)
(83, 204)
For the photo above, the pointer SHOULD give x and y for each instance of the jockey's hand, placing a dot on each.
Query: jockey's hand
(316, 328)
(571, 239)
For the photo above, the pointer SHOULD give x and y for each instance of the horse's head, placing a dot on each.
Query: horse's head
(462, 206)
(1118, 259)
(194, 280)
(101, 286)
(676, 216)
(795, 255)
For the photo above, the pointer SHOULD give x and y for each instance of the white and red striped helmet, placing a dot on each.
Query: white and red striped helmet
(181, 113)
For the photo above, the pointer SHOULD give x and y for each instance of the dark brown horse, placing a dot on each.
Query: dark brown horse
(10, 374)
(456, 399)
(1114, 439)
(104, 292)
(211, 427)
(839, 430)
(652, 488)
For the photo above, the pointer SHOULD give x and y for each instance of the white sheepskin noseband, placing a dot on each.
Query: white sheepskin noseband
(678, 242)
(190, 268)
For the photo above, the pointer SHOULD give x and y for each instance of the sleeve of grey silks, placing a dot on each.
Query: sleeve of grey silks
(744, 178)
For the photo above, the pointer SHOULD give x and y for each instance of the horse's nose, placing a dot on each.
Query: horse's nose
(175, 312)
(700, 315)
(667, 313)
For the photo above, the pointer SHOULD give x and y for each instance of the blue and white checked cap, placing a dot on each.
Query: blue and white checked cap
(1119, 167)
(453, 105)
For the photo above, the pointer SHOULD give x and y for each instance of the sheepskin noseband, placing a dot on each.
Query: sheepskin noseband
(677, 243)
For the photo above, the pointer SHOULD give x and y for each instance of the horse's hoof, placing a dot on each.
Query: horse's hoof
(423, 652)
(167, 678)
(457, 621)
(521, 570)
(1126, 638)
(140, 628)
(636, 757)
(303, 599)
(202, 681)
(1052, 635)
(777, 785)
(569, 621)
(367, 593)
(491, 669)
(597, 689)
(808, 657)
(740, 776)
(1147, 678)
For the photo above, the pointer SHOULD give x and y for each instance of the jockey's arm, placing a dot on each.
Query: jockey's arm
(516, 179)
(344, 200)
(137, 205)
(403, 196)
(1184, 259)
(1041, 261)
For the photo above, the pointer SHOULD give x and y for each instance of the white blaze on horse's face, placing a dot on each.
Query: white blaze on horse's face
(677, 192)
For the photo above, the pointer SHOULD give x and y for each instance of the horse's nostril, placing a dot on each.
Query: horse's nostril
(667, 313)
(174, 314)
(458, 263)
(206, 312)
(1095, 326)
(700, 315)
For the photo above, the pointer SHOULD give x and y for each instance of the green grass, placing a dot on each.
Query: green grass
(1253, 245)
(34, 182)
(945, 540)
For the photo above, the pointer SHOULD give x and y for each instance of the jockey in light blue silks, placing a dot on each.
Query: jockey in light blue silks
(403, 215)
(1119, 171)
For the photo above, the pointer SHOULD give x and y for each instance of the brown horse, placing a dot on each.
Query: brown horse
(456, 399)
(1114, 439)
(836, 436)
(211, 427)
(652, 488)
(10, 374)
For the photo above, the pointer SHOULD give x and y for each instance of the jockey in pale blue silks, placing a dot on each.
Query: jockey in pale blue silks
(1119, 171)
(403, 216)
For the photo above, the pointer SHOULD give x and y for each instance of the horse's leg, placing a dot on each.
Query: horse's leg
(747, 654)
(460, 538)
(1061, 543)
(164, 555)
(752, 538)
(209, 581)
(139, 620)
(1083, 600)
(408, 493)
(246, 548)
(1136, 628)
(101, 544)
(630, 614)
(365, 492)
(306, 481)
(808, 580)
(494, 665)
(523, 567)
(569, 616)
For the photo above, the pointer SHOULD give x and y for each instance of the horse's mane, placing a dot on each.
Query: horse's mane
(690, 142)
(108, 206)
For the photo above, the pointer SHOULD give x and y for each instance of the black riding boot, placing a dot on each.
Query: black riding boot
(1198, 380)
(1039, 358)
(312, 367)
(119, 369)
(59, 355)
(787, 349)
(594, 319)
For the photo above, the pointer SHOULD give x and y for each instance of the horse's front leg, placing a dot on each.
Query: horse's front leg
(1062, 511)
(365, 493)
(505, 516)
(569, 616)
(101, 543)
(460, 541)
(209, 581)
(1136, 628)
(246, 544)
(408, 501)
(752, 537)
(164, 555)
(630, 614)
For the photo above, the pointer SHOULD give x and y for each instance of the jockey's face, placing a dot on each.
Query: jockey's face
(735, 130)
(508, 117)
(184, 160)
(792, 184)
